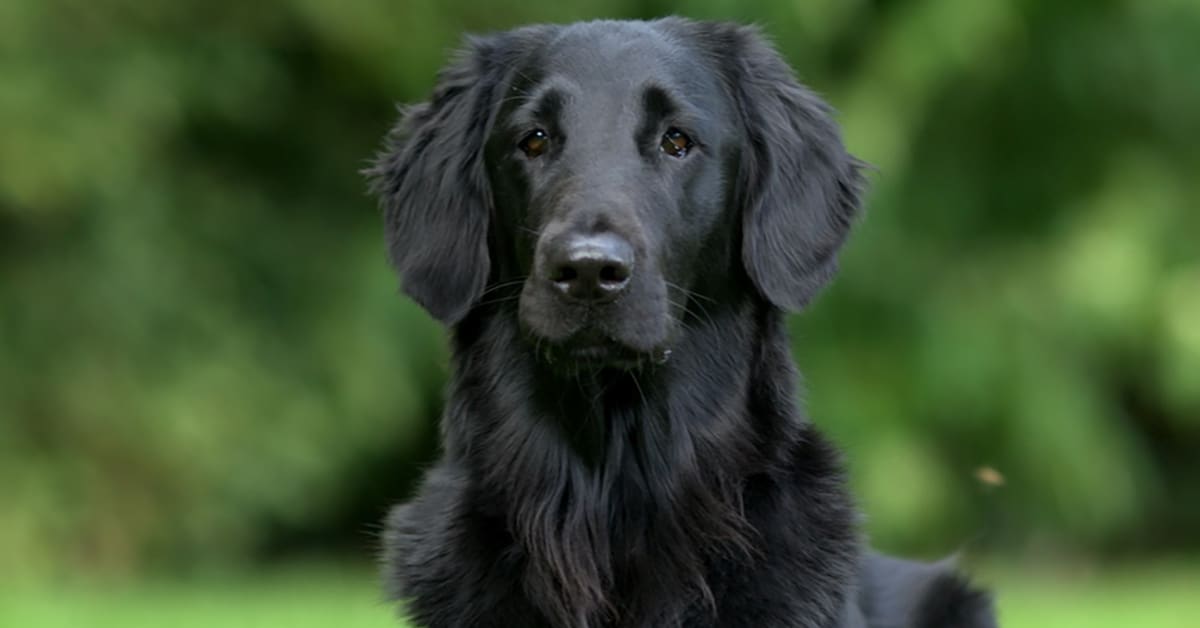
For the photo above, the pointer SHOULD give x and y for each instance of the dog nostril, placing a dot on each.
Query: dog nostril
(565, 274)
(614, 274)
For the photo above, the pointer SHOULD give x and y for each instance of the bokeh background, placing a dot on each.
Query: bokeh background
(210, 389)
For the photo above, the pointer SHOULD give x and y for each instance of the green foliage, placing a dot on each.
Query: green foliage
(200, 342)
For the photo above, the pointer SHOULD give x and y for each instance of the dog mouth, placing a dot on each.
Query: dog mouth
(631, 333)
(590, 351)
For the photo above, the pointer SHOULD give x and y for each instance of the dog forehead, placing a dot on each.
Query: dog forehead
(609, 58)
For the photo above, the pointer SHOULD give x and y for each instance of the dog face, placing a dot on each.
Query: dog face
(607, 174)
(609, 158)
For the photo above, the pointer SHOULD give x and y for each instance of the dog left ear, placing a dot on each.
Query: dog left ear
(433, 188)
(800, 189)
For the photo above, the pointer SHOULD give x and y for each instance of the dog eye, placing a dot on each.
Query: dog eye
(535, 143)
(675, 143)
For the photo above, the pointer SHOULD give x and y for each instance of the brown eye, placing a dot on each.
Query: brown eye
(535, 143)
(676, 143)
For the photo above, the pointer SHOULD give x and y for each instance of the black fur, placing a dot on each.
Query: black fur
(642, 463)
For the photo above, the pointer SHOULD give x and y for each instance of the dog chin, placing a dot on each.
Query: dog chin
(605, 356)
(592, 350)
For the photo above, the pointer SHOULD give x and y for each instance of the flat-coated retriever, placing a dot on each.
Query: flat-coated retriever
(613, 218)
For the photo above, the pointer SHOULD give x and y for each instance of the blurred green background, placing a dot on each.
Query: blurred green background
(210, 389)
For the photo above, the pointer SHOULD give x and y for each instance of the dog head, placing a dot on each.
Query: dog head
(595, 179)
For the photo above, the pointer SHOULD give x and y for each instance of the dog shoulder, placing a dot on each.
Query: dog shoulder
(951, 601)
(899, 592)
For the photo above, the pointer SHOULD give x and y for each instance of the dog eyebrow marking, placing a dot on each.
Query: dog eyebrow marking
(659, 101)
(659, 104)
(541, 107)
(548, 104)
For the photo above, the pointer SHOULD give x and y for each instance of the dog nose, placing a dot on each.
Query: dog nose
(592, 268)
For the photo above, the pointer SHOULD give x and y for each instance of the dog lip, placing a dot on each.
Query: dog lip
(590, 351)
(593, 350)
(597, 349)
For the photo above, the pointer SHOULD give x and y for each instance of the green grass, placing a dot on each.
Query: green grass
(1152, 596)
(1141, 596)
(316, 597)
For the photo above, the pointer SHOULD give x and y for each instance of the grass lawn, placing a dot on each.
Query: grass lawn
(1150, 596)
(1141, 596)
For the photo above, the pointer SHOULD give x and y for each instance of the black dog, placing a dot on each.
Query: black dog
(612, 218)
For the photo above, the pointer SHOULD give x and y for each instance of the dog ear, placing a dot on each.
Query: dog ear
(433, 187)
(799, 188)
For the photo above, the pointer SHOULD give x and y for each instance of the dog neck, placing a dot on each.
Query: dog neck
(614, 463)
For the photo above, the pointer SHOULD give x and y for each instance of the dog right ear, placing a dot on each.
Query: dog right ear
(433, 187)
